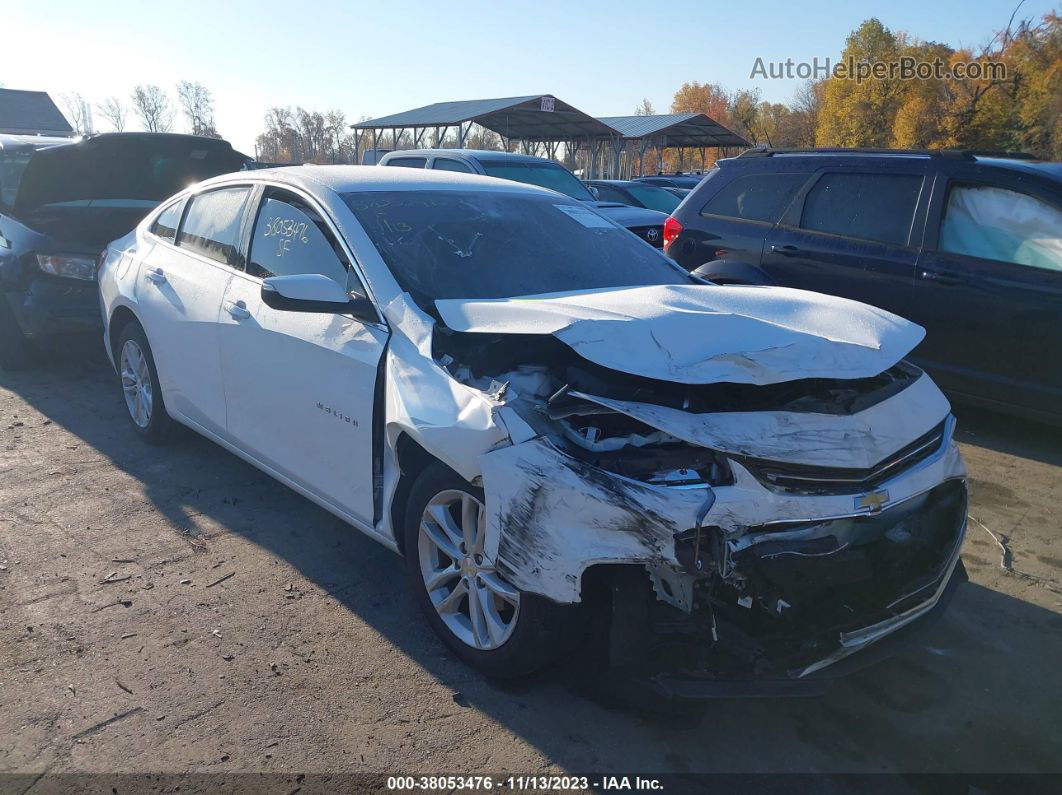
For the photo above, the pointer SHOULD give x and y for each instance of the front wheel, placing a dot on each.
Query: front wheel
(140, 387)
(477, 613)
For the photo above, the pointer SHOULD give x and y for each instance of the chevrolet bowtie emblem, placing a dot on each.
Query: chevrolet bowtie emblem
(872, 500)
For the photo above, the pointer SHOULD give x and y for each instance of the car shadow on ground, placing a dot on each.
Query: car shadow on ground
(979, 696)
(1015, 436)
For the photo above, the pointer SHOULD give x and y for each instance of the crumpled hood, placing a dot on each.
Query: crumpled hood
(628, 216)
(700, 334)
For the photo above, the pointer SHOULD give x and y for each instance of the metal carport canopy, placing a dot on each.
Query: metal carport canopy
(541, 117)
(693, 130)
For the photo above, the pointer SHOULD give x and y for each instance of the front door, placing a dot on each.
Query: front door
(300, 387)
(991, 293)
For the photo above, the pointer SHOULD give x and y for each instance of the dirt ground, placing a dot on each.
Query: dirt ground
(171, 610)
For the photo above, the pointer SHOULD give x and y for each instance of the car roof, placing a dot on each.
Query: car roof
(471, 154)
(1025, 164)
(348, 179)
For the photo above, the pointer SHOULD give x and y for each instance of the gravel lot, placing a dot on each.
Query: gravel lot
(175, 610)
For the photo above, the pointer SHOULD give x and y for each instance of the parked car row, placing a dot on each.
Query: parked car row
(566, 434)
(967, 245)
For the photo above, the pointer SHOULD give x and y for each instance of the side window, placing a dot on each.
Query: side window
(290, 237)
(212, 224)
(756, 197)
(1004, 225)
(166, 223)
(407, 162)
(868, 206)
(446, 164)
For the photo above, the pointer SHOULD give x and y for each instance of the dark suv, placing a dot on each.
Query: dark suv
(968, 245)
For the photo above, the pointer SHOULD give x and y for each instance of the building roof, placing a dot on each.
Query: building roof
(675, 129)
(31, 113)
(541, 117)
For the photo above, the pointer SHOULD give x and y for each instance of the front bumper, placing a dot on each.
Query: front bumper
(878, 569)
(55, 307)
(879, 644)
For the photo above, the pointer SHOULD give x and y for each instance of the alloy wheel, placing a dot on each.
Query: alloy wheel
(473, 600)
(136, 383)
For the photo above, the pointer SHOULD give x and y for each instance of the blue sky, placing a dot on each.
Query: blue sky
(380, 58)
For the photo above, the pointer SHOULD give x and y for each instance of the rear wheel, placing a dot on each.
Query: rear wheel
(140, 387)
(16, 351)
(477, 613)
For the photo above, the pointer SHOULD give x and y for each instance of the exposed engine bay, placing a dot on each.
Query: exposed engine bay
(784, 486)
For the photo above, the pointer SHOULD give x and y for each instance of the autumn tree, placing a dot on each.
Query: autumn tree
(645, 108)
(856, 113)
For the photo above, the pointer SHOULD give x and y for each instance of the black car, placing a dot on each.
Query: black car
(634, 194)
(60, 204)
(671, 181)
(968, 245)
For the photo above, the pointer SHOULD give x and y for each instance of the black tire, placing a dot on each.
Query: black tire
(16, 352)
(544, 629)
(160, 428)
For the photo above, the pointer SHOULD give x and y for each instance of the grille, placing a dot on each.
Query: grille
(836, 480)
(653, 235)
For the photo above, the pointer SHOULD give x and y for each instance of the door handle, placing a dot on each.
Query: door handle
(942, 277)
(156, 275)
(787, 251)
(237, 309)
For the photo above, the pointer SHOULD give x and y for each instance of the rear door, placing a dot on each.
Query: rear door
(853, 233)
(990, 290)
(736, 218)
(301, 387)
(179, 290)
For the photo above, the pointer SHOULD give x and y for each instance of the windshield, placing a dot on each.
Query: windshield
(544, 174)
(654, 198)
(487, 244)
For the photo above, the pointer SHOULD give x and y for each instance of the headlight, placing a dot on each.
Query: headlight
(69, 266)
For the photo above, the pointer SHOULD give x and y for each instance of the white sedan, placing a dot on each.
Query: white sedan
(562, 432)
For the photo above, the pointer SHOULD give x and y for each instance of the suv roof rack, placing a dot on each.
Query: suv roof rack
(961, 154)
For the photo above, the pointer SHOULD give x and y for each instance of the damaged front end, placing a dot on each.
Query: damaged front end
(766, 527)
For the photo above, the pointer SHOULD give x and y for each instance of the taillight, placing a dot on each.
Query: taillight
(672, 229)
(102, 258)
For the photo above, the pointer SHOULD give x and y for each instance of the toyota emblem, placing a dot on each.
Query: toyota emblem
(652, 235)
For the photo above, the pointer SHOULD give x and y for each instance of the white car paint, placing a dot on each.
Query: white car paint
(297, 394)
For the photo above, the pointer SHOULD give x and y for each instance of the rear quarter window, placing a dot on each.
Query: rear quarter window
(166, 222)
(755, 197)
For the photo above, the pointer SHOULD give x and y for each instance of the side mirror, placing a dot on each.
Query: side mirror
(594, 192)
(313, 292)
